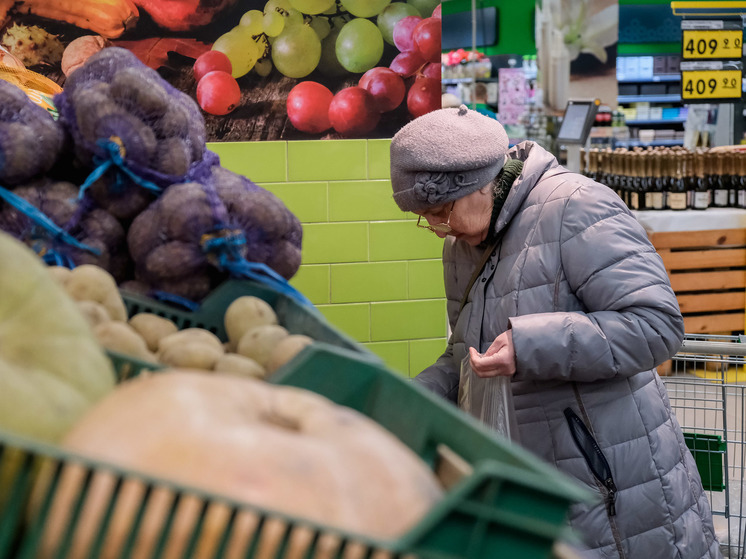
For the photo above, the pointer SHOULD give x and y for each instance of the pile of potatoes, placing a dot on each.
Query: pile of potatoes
(257, 344)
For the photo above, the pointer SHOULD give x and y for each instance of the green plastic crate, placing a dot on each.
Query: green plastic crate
(501, 501)
(708, 452)
(126, 367)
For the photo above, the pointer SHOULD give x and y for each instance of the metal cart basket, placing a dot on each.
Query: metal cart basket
(707, 390)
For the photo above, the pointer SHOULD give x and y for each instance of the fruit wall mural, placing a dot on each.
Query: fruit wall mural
(259, 69)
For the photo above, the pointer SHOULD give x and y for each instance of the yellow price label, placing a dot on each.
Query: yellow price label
(712, 43)
(711, 84)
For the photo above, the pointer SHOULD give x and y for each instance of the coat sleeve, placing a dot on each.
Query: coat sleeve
(632, 320)
(441, 378)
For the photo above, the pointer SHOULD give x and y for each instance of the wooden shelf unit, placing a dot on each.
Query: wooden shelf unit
(707, 270)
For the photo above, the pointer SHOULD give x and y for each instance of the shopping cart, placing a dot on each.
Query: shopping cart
(707, 389)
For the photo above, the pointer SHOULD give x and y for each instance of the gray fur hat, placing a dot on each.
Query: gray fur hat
(445, 155)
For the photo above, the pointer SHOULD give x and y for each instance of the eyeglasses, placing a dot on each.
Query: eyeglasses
(444, 228)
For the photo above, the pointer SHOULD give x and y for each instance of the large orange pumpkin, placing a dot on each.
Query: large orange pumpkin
(279, 448)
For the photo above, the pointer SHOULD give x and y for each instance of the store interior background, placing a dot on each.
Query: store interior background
(368, 269)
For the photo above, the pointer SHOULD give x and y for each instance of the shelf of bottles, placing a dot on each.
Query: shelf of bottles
(670, 178)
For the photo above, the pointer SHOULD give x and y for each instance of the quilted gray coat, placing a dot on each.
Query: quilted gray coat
(592, 314)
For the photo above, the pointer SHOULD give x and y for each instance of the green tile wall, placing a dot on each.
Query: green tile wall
(365, 265)
(362, 201)
(260, 161)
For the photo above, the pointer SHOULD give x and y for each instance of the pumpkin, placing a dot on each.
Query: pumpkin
(276, 447)
(51, 367)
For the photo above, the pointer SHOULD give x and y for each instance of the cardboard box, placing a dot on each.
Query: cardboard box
(672, 64)
(645, 68)
(632, 67)
(659, 65)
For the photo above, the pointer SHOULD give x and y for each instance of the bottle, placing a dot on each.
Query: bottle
(624, 177)
(612, 178)
(648, 184)
(732, 171)
(690, 181)
(616, 175)
(671, 167)
(718, 180)
(602, 164)
(656, 193)
(741, 195)
(633, 182)
(702, 193)
(583, 162)
(591, 171)
(640, 181)
(678, 180)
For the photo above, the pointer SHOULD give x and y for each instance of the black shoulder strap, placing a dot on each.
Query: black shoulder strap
(480, 266)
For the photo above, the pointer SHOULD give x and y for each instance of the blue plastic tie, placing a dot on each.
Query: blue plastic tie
(226, 249)
(262, 273)
(54, 258)
(171, 298)
(114, 157)
(42, 220)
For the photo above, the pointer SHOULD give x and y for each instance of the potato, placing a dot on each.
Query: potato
(60, 274)
(91, 283)
(284, 351)
(122, 338)
(258, 343)
(238, 365)
(190, 336)
(245, 313)
(94, 313)
(191, 355)
(152, 328)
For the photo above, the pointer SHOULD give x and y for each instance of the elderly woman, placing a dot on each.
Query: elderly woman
(563, 293)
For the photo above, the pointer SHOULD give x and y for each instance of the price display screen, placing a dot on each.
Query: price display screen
(712, 43)
(711, 84)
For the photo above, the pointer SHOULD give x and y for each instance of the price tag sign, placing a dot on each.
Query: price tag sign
(710, 85)
(711, 43)
(706, 81)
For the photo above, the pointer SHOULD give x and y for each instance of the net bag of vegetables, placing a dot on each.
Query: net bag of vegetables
(47, 216)
(197, 234)
(136, 132)
(30, 139)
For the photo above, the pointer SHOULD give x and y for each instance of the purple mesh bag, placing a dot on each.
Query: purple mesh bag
(30, 139)
(197, 234)
(135, 131)
(101, 238)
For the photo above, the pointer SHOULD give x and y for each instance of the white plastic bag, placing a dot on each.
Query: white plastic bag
(488, 399)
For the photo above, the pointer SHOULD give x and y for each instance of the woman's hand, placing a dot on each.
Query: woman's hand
(498, 360)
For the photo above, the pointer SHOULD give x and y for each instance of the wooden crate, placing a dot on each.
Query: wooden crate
(708, 274)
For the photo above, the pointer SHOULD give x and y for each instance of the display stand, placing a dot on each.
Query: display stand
(706, 266)
(575, 129)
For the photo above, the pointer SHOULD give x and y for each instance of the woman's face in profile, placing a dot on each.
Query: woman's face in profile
(467, 218)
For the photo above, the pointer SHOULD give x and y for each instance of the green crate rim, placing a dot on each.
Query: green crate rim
(211, 310)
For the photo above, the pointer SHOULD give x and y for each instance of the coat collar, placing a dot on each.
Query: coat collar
(536, 163)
